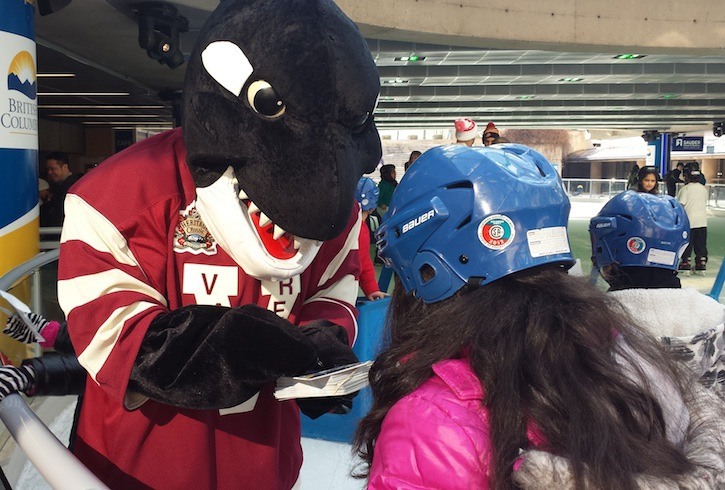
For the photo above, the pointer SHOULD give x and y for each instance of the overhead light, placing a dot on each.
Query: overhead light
(397, 81)
(385, 98)
(412, 57)
(56, 75)
(570, 79)
(127, 123)
(65, 107)
(626, 56)
(83, 94)
(102, 115)
(669, 96)
(525, 97)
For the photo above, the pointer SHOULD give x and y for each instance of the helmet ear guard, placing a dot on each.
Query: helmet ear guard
(599, 227)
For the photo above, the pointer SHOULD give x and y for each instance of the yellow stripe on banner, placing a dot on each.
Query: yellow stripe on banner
(19, 245)
(16, 247)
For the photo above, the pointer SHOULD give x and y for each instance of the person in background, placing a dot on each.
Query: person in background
(466, 129)
(494, 348)
(57, 168)
(491, 135)
(366, 194)
(674, 177)
(412, 158)
(386, 187)
(636, 239)
(693, 196)
(43, 191)
(633, 177)
(647, 180)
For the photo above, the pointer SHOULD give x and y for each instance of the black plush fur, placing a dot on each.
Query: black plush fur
(300, 169)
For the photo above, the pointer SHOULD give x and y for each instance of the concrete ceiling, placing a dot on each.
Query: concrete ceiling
(97, 40)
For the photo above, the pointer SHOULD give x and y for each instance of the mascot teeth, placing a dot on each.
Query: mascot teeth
(265, 225)
(264, 220)
(278, 232)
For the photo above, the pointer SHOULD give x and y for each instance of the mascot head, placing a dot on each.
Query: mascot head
(280, 94)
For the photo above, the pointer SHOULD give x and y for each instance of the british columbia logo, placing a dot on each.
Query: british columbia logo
(496, 232)
(22, 111)
(21, 75)
(636, 245)
(191, 234)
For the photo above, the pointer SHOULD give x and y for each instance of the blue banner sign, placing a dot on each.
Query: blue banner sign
(687, 143)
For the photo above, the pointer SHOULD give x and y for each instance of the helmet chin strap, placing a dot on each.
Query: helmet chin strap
(231, 226)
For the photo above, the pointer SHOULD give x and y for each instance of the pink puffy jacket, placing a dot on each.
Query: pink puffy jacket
(437, 436)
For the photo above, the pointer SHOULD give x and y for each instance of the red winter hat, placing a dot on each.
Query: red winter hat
(491, 128)
(465, 129)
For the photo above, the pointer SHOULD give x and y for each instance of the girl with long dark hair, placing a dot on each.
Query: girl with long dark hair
(494, 349)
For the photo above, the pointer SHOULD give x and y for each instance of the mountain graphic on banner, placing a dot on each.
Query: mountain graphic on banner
(27, 88)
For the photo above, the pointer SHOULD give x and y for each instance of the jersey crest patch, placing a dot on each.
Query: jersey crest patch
(191, 234)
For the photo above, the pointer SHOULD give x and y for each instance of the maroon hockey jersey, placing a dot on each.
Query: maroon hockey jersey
(135, 246)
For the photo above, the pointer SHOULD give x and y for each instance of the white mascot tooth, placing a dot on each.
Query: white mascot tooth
(253, 208)
(227, 64)
(264, 220)
(278, 232)
(243, 195)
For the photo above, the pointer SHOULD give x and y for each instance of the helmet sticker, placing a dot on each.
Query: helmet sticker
(548, 241)
(636, 245)
(664, 257)
(496, 232)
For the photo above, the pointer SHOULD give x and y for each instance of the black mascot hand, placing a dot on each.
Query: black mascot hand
(331, 343)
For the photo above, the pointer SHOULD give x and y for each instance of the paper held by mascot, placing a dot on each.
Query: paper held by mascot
(200, 265)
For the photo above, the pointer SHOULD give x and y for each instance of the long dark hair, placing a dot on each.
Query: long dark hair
(543, 345)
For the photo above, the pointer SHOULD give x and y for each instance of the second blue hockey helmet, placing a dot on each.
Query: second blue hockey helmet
(367, 193)
(465, 215)
(639, 229)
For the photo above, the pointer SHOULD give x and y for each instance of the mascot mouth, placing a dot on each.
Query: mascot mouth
(278, 243)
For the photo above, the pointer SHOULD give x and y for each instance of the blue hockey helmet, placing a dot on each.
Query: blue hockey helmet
(639, 229)
(465, 215)
(367, 193)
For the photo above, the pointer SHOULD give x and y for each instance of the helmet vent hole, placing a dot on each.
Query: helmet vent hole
(464, 222)
(540, 170)
(466, 184)
(427, 273)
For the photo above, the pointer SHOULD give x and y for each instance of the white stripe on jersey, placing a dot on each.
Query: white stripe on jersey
(351, 243)
(81, 290)
(342, 293)
(95, 230)
(95, 355)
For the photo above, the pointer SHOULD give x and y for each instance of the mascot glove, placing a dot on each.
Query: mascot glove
(18, 330)
(331, 343)
(16, 379)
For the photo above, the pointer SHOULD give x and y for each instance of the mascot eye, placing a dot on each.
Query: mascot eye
(264, 100)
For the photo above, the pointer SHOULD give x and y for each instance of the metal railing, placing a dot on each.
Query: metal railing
(50, 237)
(60, 468)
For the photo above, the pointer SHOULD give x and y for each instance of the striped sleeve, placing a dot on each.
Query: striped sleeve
(334, 281)
(106, 295)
